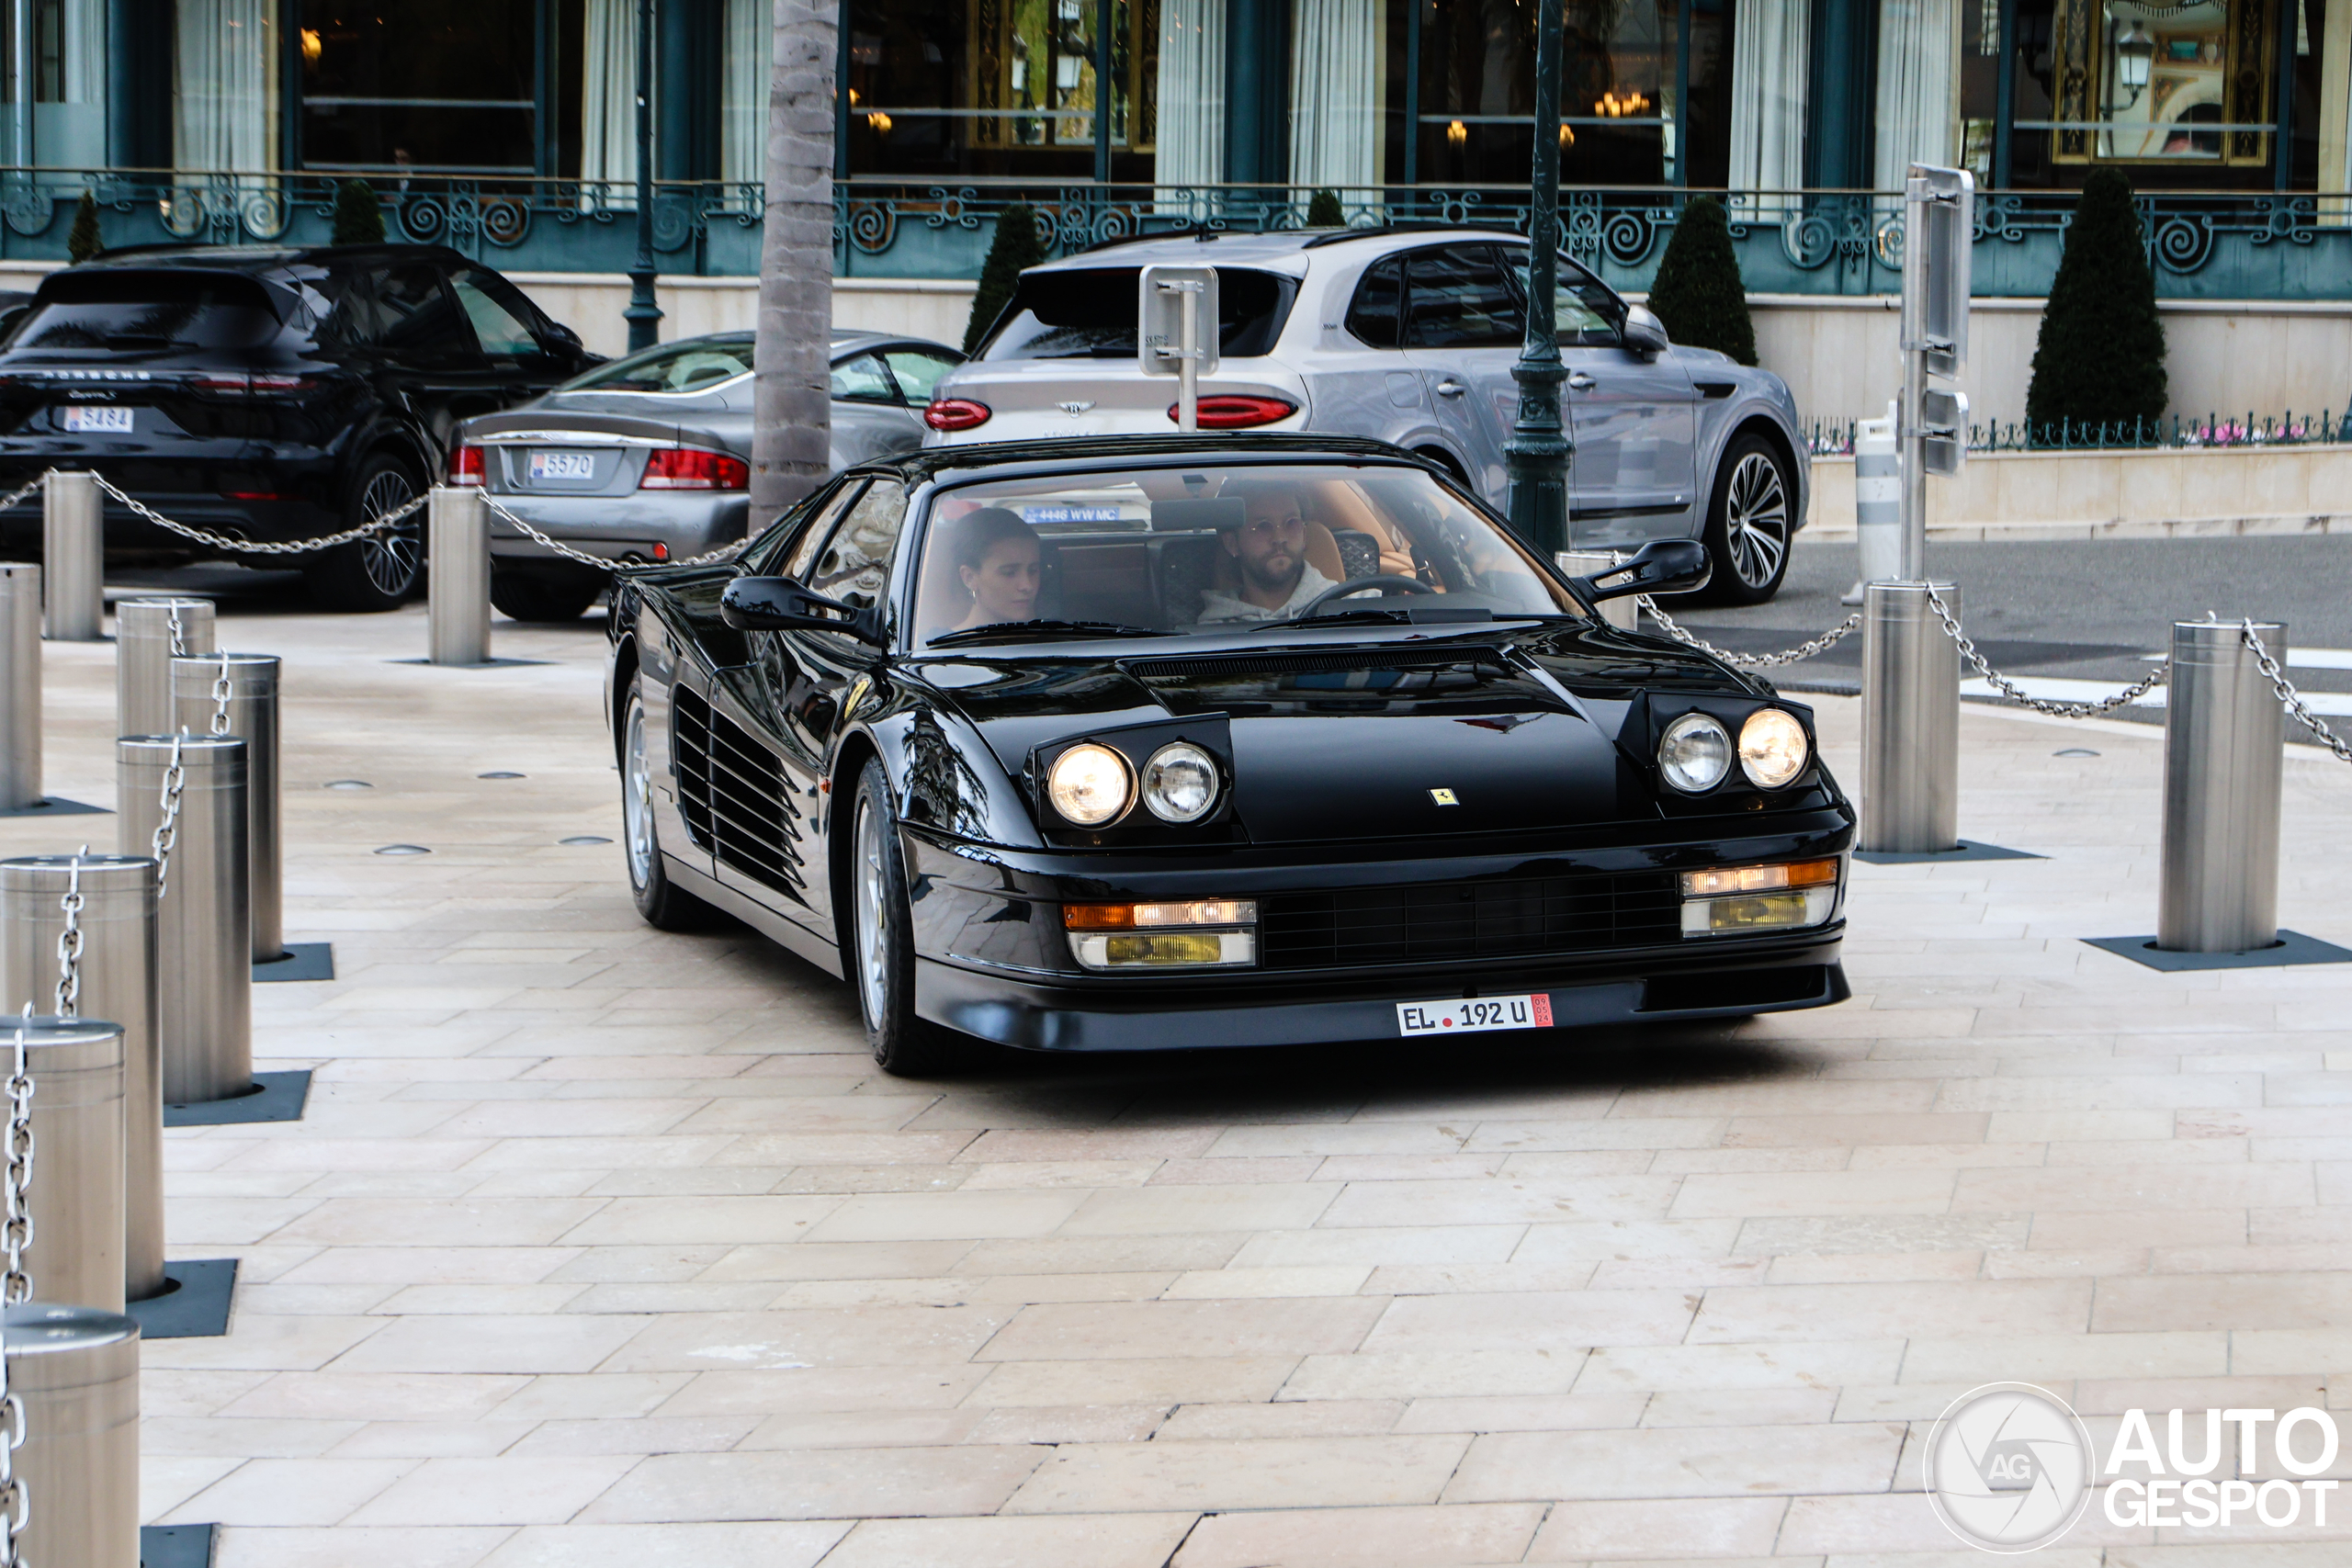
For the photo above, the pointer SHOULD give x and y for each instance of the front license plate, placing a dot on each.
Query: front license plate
(98, 421)
(563, 466)
(1457, 1016)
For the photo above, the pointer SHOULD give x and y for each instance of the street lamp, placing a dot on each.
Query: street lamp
(643, 315)
(1538, 451)
(2133, 54)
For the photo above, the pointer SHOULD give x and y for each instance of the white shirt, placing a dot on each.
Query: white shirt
(1218, 605)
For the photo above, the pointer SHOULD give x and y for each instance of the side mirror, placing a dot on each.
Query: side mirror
(1645, 333)
(564, 337)
(780, 604)
(1664, 565)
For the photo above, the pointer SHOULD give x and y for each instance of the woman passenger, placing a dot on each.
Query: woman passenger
(1000, 565)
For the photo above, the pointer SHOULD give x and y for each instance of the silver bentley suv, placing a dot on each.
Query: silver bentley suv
(1409, 337)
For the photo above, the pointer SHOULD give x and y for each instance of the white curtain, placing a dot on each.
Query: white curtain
(1769, 56)
(1918, 75)
(749, 43)
(224, 85)
(86, 51)
(1190, 134)
(1338, 51)
(608, 96)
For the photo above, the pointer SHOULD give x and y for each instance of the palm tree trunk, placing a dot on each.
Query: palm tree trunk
(792, 377)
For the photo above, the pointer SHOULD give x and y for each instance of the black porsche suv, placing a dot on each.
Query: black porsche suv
(267, 394)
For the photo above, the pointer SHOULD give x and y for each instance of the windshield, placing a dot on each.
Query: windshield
(690, 366)
(1162, 550)
(1091, 314)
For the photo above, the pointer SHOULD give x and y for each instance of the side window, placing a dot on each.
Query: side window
(1461, 299)
(416, 320)
(856, 562)
(918, 372)
(1587, 314)
(796, 553)
(862, 379)
(351, 317)
(502, 326)
(1372, 314)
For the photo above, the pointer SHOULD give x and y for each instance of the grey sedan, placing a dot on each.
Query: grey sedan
(1409, 336)
(648, 459)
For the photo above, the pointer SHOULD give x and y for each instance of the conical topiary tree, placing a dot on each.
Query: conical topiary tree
(84, 241)
(1016, 246)
(358, 217)
(2100, 358)
(1698, 293)
(1323, 210)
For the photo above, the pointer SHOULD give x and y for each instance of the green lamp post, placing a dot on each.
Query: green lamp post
(1538, 451)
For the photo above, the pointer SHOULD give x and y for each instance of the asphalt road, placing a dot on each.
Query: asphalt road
(2082, 611)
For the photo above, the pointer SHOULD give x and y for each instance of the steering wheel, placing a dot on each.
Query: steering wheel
(1357, 585)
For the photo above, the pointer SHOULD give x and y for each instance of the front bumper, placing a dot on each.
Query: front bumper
(1362, 1006)
(624, 527)
(992, 959)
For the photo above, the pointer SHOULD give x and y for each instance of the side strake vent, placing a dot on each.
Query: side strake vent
(734, 796)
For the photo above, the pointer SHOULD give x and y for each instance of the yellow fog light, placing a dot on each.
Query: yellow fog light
(1163, 949)
(1759, 911)
(1773, 747)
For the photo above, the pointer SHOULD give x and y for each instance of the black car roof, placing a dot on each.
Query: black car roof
(1108, 451)
(259, 259)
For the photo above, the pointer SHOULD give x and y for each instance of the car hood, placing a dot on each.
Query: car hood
(1398, 739)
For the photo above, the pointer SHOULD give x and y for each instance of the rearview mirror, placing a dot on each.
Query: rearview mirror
(780, 604)
(1645, 333)
(1665, 565)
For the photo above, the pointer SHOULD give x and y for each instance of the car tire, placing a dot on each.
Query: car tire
(382, 571)
(663, 904)
(545, 596)
(879, 949)
(1751, 520)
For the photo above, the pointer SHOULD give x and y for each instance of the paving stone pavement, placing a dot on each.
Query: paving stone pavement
(600, 1245)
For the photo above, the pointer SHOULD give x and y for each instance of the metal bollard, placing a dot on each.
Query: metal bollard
(458, 565)
(77, 1067)
(2223, 762)
(142, 658)
(20, 783)
(252, 718)
(76, 1369)
(1910, 783)
(1623, 613)
(116, 978)
(73, 557)
(203, 942)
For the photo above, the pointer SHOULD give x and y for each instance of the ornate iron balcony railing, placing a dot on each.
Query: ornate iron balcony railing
(2230, 246)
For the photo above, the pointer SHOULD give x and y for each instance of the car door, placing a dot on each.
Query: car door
(1464, 327)
(428, 348)
(869, 419)
(1358, 382)
(1635, 421)
(811, 678)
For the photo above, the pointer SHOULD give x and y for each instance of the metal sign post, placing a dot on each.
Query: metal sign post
(1172, 304)
(1939, 231)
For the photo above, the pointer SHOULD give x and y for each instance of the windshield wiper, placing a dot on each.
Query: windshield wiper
(1348, 617)
(1015, 631)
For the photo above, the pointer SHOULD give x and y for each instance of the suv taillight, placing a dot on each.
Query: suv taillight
(1230, 412)
(689, 467)
(957, 413)
(466, 466)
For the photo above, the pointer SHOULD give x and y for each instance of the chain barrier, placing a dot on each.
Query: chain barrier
(16, 1199)
(602, 563)
(261, 548)
(2290, 698)
(16, 1235)
(1684, 635)
(2010, 689)
(167, 831)
(69, 942)
(25, 489)
(222, 691)
(179, 633)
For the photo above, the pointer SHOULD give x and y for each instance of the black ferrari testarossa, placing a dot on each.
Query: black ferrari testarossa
(1118, 744)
